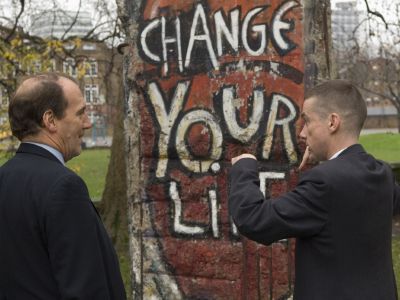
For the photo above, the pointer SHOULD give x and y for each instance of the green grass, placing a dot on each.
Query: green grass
(384, 146)
(92, 166)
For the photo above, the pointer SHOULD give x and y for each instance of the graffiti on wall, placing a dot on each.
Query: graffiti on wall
(215, 37)
(221, 78)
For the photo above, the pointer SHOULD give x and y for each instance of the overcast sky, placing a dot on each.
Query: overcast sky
(10, 8)
(373, 32)
(387, 7)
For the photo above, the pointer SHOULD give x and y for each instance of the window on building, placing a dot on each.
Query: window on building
(69, 67)
(69, 46)
(51, 65)
(91, 68)
(89, 47)
(92, 93)
(35, 67)
(92, 117)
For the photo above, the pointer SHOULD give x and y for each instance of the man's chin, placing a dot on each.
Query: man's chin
(312, 159)
(78, 151)
(74, 154)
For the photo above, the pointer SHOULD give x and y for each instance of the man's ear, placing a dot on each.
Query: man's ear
(49, 121)
(334, 122)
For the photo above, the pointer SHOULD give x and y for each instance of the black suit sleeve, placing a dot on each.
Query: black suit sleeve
(73, 241)
(299, 213)
(396, 198)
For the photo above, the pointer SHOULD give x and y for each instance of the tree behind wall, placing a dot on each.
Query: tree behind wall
(373, 62)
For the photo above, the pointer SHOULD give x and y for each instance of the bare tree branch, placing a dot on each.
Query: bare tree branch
(394, 94)
(384, 96)
(73, 21)
(91, 32)
(7, 39)
(376, 13)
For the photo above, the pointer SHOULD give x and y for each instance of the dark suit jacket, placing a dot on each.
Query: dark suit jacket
(341, 214)
(53, 244)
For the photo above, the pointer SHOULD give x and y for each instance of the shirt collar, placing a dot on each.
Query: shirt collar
(337, 153)
(52, 150)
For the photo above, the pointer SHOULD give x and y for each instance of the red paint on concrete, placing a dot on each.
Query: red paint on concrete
(205, 266)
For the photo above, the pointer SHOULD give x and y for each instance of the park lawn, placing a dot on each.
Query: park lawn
(92, 166)
(384, 146)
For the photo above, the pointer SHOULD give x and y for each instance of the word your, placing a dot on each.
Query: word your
(169, 130)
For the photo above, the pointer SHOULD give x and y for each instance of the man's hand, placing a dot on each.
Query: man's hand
(306, 159)
(245, 155)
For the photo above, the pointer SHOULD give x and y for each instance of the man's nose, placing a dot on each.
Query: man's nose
(87, 124)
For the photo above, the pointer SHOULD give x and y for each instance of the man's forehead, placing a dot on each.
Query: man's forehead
(70, 88)
(307, 104)
(308, 107)
(74, 97)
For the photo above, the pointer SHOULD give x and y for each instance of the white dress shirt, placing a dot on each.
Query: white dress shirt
(52, 150)
(337, 153)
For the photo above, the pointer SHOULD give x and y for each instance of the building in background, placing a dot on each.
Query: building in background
(379, 73)
(345, 26)
(96, 66)
(357, 59)
(61, 23)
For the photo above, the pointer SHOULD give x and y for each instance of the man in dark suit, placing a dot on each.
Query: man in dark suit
(340, 211)
(52, 242)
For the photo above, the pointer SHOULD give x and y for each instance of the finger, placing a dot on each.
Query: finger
(306, 157)
(245, 155)
(233, 160)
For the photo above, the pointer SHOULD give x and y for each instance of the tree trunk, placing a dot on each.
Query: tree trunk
(319, 65)
(113, 206)
(398, 121)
